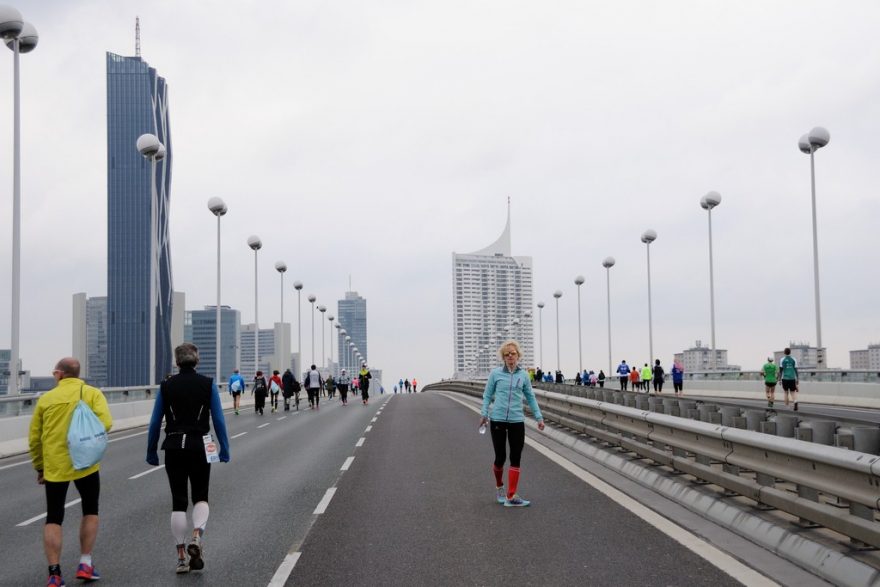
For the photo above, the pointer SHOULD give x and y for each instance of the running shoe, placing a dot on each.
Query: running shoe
(195, 551)
(55, 581)
(87, 572)
(500, 494)
(236, 412)
(182, 566)
(516, 502)
(795, 407)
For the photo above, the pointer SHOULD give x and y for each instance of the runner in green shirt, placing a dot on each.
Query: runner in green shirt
(771, 372)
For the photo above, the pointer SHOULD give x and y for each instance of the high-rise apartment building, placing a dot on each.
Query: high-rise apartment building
(138, 251)
(90, 338)
(352, 312)
(865, 359)
(274, 349)
(807, 356)
(200, 328)
(491, 302)
(699, 358)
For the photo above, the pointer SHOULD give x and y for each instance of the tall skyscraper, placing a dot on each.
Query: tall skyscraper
(90, 337)
(492, 301)
(352, 312)
(137, 103)
(200, 328)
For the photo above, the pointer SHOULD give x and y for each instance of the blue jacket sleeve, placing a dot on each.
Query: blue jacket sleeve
(488, 395)
(530, 397)
(154, 430)
(219, 424)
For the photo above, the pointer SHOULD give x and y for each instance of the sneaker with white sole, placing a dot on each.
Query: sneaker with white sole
(182, 566)
(516, 502)
(500, 494)
(195, 549)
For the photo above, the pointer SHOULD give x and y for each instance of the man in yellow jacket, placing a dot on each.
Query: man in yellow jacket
(51, 459)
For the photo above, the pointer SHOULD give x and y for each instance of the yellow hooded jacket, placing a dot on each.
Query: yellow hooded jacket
(48, 433)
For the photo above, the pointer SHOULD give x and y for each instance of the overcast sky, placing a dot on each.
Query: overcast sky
(373, 139)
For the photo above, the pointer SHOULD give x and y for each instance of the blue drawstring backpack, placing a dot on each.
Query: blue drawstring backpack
(86, 437)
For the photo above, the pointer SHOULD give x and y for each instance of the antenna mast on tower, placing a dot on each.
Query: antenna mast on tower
(137, 36)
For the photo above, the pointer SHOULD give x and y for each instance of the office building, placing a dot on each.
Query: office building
(274, 349)
(178, 318)
(865, 359)
(491, 302)
(138, 250)
(200, 328)
(352, 312)
(90, 338)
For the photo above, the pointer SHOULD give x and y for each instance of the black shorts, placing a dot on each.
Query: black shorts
(770, 385)
(89, 488)
(789, 384)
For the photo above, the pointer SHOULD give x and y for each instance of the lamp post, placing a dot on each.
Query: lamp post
(557, 294)
(281, 267)
(323, 309)
(312, 299)
(810, 143)
(154, 151)
(648, 237)
(256, 244)
(579, 281)
(218, 208)
(527, 315)
(348, 345)
(541, 331)
(21, 37)
(330, 319)
(608, 263)
(708, 202)
(298, 285)
(338, 328)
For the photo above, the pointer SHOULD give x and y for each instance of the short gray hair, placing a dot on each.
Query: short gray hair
(186, 355)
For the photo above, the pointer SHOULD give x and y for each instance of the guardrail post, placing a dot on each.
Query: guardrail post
(785, 425)
(866, 440)
(754, 419)
(768, 427)
(728, 413)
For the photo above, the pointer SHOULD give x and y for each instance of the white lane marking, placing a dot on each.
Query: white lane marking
(279, 579)
(14, 465)
(325, 501)
(237, 435)
(264, 425)
(723, 561)
(126, 437)
(347, 464)
(43, 515)
(368, 428)
(278, 419)
(374, 419)
(360, 442)
(147, 472)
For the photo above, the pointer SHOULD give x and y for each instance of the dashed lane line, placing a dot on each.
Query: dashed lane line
(264, 425)
(43, 515)
(360, 442)
(374, 419)
(281, 418)
(147, 472)
(347, 464)
(325, 501)
(368, 428)
(281, 575)
(237, 435)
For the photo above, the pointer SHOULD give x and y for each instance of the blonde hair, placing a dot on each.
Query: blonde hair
(506, 344)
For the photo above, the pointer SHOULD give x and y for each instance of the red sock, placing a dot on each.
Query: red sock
(512, 481)
(499, 475)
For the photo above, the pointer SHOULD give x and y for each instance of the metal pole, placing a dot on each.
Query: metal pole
(217, 318)
(299, 330)
(541, 333)
(815, 252)
(323, 349)
(712, 293)
(558, 362)
(13, 385)
(650, 321)
(313, 333)
(282, 299)
(608, 297)
(154, 269)
(580, 347)
(256, 319)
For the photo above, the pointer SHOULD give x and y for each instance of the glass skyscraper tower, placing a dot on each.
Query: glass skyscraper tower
(137, 103)
(352, 313)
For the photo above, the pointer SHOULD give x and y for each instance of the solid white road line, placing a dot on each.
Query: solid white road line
(283, 572)
(237, 435)
(43, 515)
(723, 561)
(347, 464)
(147, 472)
(264, 425)
(360, 442)
(325, 501)
(368, 428)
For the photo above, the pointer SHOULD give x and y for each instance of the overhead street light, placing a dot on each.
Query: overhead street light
(256, 244)
(608, 263)
(579, 281)
(298, 285)
(312, 299)
(557, 294)
(154, 151)
(541, 331)
(218, 208)
(709, 202)
(648, 237)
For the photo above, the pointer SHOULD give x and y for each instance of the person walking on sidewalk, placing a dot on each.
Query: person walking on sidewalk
(236, 388)
(342, 386)
(364, 380)
(623, 373)
(275, 385)
(47, 444)
(186, 401)
(677, 377)
(505, 391)
(289, 387)
(314, 382)
(788, 374)
(260, 391)
(658, 374)
(771, 374)
(646, 377)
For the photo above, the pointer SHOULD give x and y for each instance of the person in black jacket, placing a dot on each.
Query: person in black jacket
(260, 391)
(186, 401)
(289, 387)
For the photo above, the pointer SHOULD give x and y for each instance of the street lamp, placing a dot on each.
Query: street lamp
(154, 151)
(281, 267)
(810, 143)
(322, 309)
(218, 208)
(331, 318)
(541, 331)
(256, 244)
(312, 299)
(298, 285)
(21, 37)
(608, 263)
(557, 294)
(338, 327)
(708, 202)
(648, 237)
(579, 281)
(348, 345)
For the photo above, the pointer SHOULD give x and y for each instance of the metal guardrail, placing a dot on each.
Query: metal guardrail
(822, 485)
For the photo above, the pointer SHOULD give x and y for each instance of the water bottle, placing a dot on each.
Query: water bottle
(483, 427)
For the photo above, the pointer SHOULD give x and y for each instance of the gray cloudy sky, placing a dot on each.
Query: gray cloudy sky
(375, 138)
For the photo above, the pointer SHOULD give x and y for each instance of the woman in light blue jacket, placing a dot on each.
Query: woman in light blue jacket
(505, 390)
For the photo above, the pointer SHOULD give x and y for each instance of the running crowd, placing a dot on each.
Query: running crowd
(641, 378)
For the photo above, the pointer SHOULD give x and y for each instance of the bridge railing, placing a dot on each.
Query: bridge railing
(821, 485)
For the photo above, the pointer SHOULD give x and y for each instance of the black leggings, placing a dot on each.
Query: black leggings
(184, 466)
(501, 432)
(89, 488)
